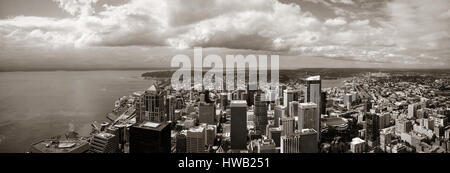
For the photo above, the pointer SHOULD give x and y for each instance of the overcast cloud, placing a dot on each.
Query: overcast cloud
(410, 32)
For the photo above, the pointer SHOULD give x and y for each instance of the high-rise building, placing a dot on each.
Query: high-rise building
(281, 89)
(288, 98)
(251, 88)
(403, 126)
(210, 134)
(260, 114)
(323, 101)
(308, 116)
(308, 141)
(104, 143)
(150, 137)
(372, 129)
(223, 101)
(288, 126)
(275, 134)
(150, 106)
(290, 144)
(207, 113)
(195, 140)
(181, 142)
(385, 138)
(278, 113)
(367, 106)
(348, 99)
(238, 132)
(293, 109)
(170, 108)
(412, 110)
(313, 94)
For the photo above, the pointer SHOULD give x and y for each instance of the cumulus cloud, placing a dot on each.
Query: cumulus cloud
(336, 21)
(405, 28)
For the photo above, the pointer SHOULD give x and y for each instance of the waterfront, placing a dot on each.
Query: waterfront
(37, 105)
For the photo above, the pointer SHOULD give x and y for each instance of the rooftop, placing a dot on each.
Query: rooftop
(313, 78)
(238, 103)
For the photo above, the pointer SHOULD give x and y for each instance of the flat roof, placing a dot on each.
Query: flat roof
(307, 105)
(238, 103)
(313, 78)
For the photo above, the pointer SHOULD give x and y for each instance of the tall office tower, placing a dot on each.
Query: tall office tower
(281, 89)
(412, 110)
(207, 113)
(354, 96)
(348, 99)
(308, 141)
(104, 143)
(385, 138)
(288, 126)
(251, 93)
(195, 140)
(293, 109)
(224, 101)
(313, 92)
(367, 105)
(150, 137)
(275, 134)
(153, 105)
(290, 144)
(323, 101)
(278, 113)
(238, 132)
(403, 126)
(207, 97)
(372, 129)
(210, 134)
(202, 97)
(140, 108)
(181, 142)
(170, 108)
(260, 114)
(308, 116)
(179, 103)
(288, 98)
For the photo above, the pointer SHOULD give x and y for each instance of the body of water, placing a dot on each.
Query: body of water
(37, 105)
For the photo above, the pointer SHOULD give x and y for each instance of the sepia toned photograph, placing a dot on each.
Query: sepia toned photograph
(225, 77)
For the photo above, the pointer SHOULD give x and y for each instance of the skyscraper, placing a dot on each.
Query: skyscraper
(308, 116)
(313, 94)
(308, 141)
(152, 103)
(170, 108)
(288, 126)
(278, 113)
(293, 109)
(150, 137)
(288, 97)
(238, 132)
(260, 114)
(195, 140)
(207, 112)
(412, 110)
(372, 131)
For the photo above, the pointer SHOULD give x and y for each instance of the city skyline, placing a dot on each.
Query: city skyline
(99, 34)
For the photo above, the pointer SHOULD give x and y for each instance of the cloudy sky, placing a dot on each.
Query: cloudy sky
(148, 33)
